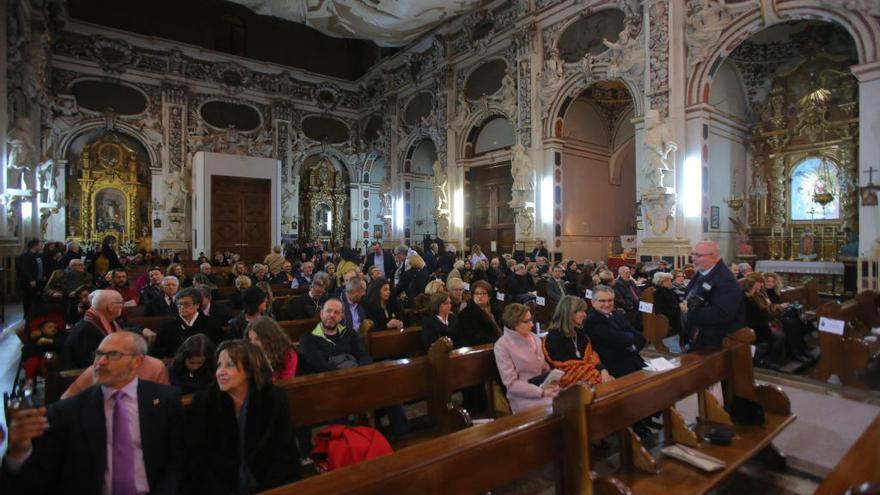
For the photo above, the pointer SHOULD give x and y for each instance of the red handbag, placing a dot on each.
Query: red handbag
(338, 446)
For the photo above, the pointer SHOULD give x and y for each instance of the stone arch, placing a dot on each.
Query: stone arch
(474, 127)
(864, 30)
(466, 74)
(338, 159)
(576, 15)
(572, 87)
(416, 136)
(120, 126)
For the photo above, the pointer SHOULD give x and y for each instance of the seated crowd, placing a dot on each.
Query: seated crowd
(221, 341)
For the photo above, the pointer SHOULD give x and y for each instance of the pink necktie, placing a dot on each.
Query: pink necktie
(123, 449)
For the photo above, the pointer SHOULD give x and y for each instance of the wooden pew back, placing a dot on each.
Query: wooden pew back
(655, 327)
(858, 465)
(846, 355)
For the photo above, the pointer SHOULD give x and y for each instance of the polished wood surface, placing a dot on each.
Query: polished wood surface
(848, 354)
(860, 464)
(654, 327)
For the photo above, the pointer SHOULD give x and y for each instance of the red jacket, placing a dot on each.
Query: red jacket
(338, 446)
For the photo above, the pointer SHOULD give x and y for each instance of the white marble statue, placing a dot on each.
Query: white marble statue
(46, 180)
(625, 57)
(288, 201)
(175, 192)
(462, 113)
(551, 79)
(703, 30)
(522, 169)
(507, 95)
(658, 144)
(21, 153)
(151, 128)
(385, 198)
(441, 187)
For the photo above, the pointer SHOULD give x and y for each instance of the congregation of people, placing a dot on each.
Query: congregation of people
(120, 427)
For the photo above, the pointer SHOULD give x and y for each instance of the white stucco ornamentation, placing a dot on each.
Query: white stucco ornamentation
(703, 30)
(870, 7)
(658, 146)
(626, 58)
(551, 78)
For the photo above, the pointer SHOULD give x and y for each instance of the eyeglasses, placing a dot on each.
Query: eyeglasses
(112, 355)
(604, 301)
(481, 293)
(699, 255)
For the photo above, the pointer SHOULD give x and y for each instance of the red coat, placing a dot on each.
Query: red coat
(338, 446)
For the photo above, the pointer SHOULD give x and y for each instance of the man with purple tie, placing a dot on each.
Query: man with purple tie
(121, 436)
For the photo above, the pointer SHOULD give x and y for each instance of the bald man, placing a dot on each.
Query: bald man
(120, 436)
(713, 302)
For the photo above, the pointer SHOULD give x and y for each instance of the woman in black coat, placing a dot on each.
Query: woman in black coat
(383, 309)
(666, 301)
(414, 280)
(440, 322)
(240, 438)
(478, 321)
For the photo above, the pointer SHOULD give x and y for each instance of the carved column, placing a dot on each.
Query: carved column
(178, 223)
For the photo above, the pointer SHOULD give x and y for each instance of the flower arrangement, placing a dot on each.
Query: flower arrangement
(129, 249)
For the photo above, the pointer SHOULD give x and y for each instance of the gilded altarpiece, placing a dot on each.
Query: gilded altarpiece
(109, 199)
(324, 204)
(810, 117)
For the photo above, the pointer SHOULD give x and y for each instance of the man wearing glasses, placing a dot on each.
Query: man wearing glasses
(120, 436)
(189, 321)
(713, 300)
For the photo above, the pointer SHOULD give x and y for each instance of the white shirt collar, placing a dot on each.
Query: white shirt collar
(191, 322)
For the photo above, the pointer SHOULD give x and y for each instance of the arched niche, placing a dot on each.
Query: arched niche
(585, 35)
(224, 114)
(423, 156)
(323, 201)
(419, 107)
(100, 96)
(325, 129)
(495, 134)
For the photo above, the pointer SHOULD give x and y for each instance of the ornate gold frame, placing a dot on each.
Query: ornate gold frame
(108, 164)
(324, 185)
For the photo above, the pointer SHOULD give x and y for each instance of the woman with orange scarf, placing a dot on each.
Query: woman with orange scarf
(567, 346)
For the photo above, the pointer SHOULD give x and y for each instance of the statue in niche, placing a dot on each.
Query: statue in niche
(175, 192)
(551, 79)
(385, 198)
(288, 202)
(441, 191)
(703, 29)
(507, 95)
(522, 169)
(625, 57)
(46, 180)
(151, 128)
(462, 113)
(659, 144)
(21, 155)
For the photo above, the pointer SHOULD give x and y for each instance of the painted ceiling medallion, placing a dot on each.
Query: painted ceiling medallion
(386, 22)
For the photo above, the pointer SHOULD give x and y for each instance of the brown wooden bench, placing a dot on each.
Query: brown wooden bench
(543, 312)
(513, 446)
(806, 295)
(848, 354)
(392, 343)
(858, 466)
(297, 328)
(613, 407)
(655, 327)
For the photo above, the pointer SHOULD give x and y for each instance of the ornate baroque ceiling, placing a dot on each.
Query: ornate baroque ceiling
(385, 22)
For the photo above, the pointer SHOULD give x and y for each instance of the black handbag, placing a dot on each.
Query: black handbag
(745, 411)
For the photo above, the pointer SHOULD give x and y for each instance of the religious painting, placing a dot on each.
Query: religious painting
(110, 210)
(869, 196)
(715, 217)
(814, 190)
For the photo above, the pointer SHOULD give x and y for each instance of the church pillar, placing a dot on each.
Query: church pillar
(178, 224)
(4, 113)
(663, 179)
(868, 76)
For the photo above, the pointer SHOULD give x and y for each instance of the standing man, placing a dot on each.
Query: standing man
(380, 259)
(400, 253)
(121, 436)
(30, 274)
(539, 251)
(354, 311)
(713, 300)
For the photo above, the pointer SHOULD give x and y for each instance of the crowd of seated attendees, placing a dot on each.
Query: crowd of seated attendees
(228, 349)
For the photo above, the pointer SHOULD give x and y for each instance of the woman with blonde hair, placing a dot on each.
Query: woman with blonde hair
(414, 280)
(242, 283)
(239, 268)
(456, 270)
(567, 346)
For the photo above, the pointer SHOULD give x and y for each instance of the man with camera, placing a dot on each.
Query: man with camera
(713, 302)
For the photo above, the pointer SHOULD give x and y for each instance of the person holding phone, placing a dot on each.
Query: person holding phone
(520, 360)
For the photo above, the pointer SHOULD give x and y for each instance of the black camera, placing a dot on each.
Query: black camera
(695, 301)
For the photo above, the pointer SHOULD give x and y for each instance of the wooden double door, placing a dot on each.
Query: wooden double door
(490, 190)
(241, 216)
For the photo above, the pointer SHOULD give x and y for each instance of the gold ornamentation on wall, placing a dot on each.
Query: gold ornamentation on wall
(108, 203)
(324, 204)
(811, 111)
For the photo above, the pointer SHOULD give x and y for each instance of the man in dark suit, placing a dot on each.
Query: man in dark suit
(153, 291)
(713, 304)
(31, 274)
(539, 250)
(67, 449)
(217, 311)
(611, 335)
(189, 321)
(165, 304)
(307, 305)
(555, 285)
(353, 309)
(627, 296)
(432, 257)
(384, 260)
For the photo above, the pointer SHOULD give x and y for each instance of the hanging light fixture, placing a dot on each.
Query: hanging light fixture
(823, 191)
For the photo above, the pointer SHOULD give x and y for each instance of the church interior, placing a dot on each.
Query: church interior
(579, 134)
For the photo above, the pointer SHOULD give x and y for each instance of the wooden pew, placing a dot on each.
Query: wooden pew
(474, 460)
(543, 312)
(654, 327)
(510, 447)
(57, 381)
(858, 466)
(806, 295)
(613, 407)
(846, 355)
(389, 343)
(297, 328)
